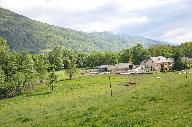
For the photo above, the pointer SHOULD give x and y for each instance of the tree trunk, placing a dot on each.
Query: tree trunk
(52, 87)
(70, 76)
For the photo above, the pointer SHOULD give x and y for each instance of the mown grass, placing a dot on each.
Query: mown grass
(86, 101)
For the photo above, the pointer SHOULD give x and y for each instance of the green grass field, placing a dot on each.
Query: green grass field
(86, 101)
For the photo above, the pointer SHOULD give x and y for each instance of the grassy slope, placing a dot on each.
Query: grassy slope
(86, 101)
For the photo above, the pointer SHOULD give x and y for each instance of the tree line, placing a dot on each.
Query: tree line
(59, 57)
(21, 72)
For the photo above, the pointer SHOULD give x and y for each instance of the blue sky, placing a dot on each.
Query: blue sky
(167, 20)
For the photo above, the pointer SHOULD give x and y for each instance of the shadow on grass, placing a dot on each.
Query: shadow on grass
(24, 119)
(38, 94)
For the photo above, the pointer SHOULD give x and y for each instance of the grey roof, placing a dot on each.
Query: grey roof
(106, 66)
(143, 62)
(161, 59)
(122, 65)
(116, 66)
(171, 60)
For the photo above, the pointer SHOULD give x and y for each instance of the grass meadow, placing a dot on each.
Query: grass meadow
(86, 101)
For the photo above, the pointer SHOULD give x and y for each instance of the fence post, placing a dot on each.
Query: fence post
(110, 86)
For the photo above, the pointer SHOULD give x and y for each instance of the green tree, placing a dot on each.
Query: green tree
(90, 59)
(178, 63)
(187, 49)
(68, 55)
(3, 45)
(40, 66)
(125, 56)
(8, 64)
(161, 50)
(55, 58)
(19, 72)
(71, 69)
(110, 58)
(52, 79)
(2, 84)
(139, 53)
(80, 59)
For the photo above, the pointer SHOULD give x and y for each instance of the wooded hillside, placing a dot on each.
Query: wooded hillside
(24, 34)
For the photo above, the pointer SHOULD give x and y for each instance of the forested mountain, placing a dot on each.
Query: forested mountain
(24, 34)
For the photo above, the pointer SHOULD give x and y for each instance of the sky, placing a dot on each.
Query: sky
(166, 20)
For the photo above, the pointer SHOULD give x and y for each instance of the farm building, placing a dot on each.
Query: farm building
(186, 59)
(115, 67)
(106, 68)
(123, 66)
(157, 63)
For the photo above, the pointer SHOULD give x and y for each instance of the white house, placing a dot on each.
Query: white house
(157, 63)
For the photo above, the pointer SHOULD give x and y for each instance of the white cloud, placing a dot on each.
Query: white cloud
(178, 35)
(72, 5)
(80, 5)
(109, 24)
(128, 5)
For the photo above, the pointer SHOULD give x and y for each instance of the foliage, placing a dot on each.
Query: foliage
(94, 59)
(71, 68)
(40, 66)
(178, 63)
(161, 50)
(125, 56)
(52, 79)
(20, 72)
(187, 49)
(55, 58)
(59, 57)
(139, 53)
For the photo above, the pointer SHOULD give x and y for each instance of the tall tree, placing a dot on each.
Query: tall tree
(71, 69)
(161, 50)
(179, 64)
(125, 56)
(187, 49)
(52, 79)
(139, 53)
(40, 66)
(55, 58)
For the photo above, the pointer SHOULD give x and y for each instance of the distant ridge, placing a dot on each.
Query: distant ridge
(24, 34)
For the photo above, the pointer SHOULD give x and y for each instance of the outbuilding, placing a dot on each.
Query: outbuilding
(123, 67)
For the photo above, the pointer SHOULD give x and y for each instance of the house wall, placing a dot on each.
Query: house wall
(148, 63)
(156, 66)
(166, 65)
